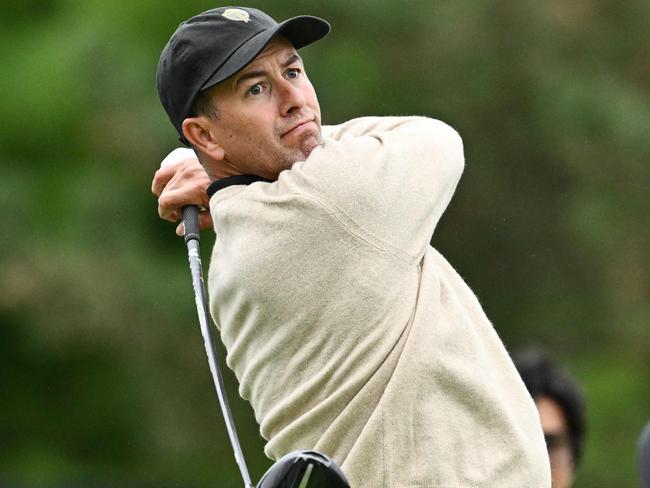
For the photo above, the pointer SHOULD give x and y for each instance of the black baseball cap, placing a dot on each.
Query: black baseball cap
(216, 44)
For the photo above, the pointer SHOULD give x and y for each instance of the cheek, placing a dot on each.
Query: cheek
(256, 137)
(249, 132)
(260, 122)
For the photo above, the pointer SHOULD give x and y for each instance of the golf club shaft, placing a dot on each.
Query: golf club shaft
(192, 241)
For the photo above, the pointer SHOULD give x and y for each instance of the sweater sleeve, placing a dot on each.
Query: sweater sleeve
(391, 177)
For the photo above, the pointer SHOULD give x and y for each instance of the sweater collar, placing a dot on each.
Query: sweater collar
(233, 180)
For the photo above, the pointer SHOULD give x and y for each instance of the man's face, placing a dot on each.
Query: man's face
(269, 117)
(556, 433)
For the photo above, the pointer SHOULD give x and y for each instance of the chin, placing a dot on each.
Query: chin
(309, 145)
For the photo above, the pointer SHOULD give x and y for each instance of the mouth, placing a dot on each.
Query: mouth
(299, 127)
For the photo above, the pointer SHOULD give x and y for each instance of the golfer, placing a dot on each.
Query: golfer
(348, 332)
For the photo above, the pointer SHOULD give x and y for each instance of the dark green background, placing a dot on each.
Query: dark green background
(103, 378)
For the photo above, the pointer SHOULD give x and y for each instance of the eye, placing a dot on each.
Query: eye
(256, 89)
(293, 73)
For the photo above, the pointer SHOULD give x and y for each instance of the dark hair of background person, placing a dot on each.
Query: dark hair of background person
(543, 377)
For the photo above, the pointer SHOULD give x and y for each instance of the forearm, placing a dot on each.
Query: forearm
(392, 176)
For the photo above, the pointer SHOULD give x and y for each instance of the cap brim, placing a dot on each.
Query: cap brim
(300, 31)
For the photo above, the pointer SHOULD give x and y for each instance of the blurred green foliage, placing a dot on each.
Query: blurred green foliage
(103, 378)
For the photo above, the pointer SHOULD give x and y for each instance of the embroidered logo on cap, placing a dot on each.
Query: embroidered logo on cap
(236, 14)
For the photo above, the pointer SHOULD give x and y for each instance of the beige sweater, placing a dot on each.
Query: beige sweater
(351, 335)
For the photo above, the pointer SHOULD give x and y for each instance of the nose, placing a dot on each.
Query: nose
(292, 98)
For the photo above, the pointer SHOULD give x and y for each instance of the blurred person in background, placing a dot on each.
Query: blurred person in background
(561, 405)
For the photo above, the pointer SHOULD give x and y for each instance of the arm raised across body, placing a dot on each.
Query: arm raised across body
(393, 177)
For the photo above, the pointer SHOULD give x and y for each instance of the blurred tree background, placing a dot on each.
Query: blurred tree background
(103, 377)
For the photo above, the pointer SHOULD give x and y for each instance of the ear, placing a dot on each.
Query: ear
(198, 131)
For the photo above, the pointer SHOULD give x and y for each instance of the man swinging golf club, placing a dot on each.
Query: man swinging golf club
(349, 334)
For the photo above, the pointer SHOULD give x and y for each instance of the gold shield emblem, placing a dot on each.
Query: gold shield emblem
(236, 14)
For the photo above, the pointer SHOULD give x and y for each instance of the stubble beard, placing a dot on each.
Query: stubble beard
(311, 142)
(303, 150)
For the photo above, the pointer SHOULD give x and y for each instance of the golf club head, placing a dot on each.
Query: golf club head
(304, 469)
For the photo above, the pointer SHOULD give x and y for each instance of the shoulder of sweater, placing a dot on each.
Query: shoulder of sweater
(370, 125)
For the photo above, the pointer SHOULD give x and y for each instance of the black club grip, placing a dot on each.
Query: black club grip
(191, 222)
